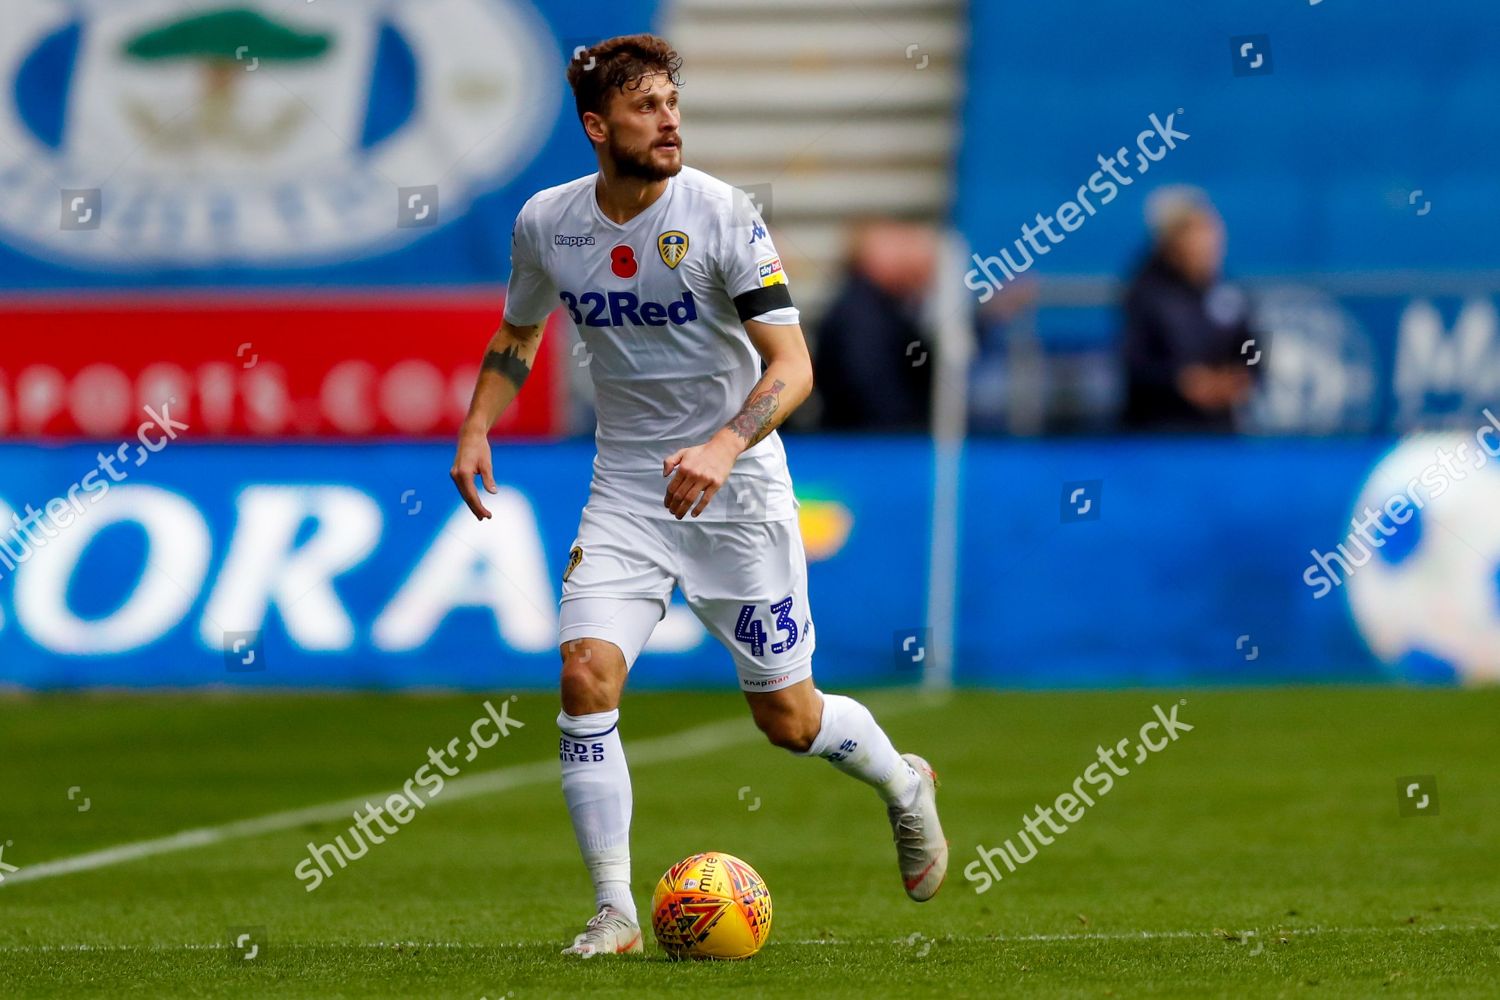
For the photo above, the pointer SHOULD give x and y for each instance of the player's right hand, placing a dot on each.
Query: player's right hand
(473, 459)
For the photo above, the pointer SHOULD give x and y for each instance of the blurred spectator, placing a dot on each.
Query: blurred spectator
(873, 361)
(1185, 333)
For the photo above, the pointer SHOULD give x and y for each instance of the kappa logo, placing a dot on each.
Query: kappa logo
(673, 247)
(572, 241)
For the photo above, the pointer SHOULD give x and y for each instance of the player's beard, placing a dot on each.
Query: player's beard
(639, 164)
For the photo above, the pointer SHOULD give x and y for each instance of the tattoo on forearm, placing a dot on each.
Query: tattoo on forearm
(754, 420)
(509, 364)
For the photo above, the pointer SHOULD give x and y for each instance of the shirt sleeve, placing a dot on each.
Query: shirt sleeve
(530, 295)
(751, 270)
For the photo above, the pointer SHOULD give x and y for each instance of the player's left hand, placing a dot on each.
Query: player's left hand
(701, 470)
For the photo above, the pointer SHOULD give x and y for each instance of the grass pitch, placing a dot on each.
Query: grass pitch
(1262, 854)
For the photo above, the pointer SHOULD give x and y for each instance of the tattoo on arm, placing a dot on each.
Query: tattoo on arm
(754, 421)
(509, 364)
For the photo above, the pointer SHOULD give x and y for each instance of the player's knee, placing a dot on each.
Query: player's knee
(583, 691)
(586, 683)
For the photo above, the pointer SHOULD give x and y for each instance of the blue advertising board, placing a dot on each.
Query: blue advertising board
(1341, 356)
(1081, 563)
(356, 565)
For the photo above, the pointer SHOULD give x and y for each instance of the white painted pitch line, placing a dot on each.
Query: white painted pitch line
(907, 942)
(660, 749)
(676, 746)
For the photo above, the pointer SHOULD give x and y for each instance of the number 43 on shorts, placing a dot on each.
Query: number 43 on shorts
(749, 630)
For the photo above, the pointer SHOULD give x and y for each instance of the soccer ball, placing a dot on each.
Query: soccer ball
(1428, 600)
(711, 905)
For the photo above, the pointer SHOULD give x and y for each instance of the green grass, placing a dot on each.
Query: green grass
(1277, 815)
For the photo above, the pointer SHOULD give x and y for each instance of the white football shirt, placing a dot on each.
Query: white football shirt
(660, 304)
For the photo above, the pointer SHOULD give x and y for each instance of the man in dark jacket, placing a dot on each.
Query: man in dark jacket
(872, 365)
(1189, 349)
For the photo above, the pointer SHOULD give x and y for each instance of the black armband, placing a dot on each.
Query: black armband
(759, 301)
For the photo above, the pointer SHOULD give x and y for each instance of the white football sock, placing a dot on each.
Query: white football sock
(852, 741)
(596, 785)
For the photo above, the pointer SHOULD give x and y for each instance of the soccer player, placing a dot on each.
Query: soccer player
(679, 296)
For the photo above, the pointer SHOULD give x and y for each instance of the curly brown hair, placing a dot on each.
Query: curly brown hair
(619, 64)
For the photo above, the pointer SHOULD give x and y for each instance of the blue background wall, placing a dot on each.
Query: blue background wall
(1312, 164)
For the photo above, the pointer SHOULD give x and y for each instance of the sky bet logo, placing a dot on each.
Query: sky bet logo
(621, 308)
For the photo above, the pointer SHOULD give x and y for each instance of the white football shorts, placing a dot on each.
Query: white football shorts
(746, 582)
